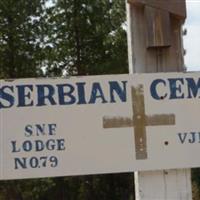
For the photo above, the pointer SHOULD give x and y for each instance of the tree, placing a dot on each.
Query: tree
(86, 37)
(20, 38)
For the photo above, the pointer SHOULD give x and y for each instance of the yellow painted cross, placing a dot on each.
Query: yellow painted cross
(139, 121)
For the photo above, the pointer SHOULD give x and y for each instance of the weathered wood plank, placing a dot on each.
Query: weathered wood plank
(165, 184)
(175, 7)
(158, 26)
(153, 60)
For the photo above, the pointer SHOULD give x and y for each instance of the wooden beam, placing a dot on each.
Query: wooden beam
(175, 7)
(174, 184)
(158, 27)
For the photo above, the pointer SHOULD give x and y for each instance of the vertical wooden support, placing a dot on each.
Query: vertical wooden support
(164, 54)
(158, 25)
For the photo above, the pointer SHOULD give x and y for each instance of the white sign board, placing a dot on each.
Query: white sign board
(99, 124)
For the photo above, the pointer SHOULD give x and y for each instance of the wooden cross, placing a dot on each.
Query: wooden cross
(158, 23)
(139, 121)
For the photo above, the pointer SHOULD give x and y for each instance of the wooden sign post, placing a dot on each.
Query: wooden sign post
(155, 45)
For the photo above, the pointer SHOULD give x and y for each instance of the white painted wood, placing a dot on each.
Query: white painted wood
(108, 139)
(165, 184)
(129, 40)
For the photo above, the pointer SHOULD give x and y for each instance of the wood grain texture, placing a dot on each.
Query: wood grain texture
(158, 27)
(175, 7)
(157, 59)
(172, 184)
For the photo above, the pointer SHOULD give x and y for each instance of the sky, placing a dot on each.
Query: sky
(192, 39)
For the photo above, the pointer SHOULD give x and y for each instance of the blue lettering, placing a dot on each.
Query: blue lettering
(153, 89)
(22, 95)
(97, 93)
(115, 88)
(6, 96)
(52, 129)
(63, 94)
(27, 145)
(40, 129)
(28, 130)
(81, 93)
(42, 97)
(39, 145)
(34, 162)
(61, 144)
(193, 88)
(14, 148)
(50, 145)
(175, 88)
(182, 137)
(193, 138)
(20, 162)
